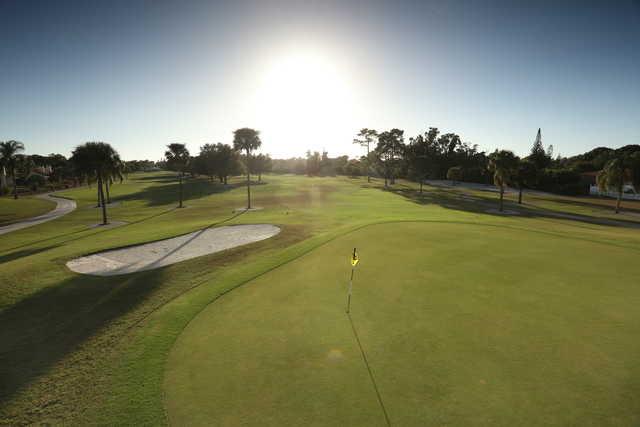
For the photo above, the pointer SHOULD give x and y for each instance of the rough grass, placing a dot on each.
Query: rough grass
(12, 210)
(85, 350)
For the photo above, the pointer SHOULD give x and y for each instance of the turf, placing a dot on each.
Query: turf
(79, 350)
(461, 324)
(12, 210)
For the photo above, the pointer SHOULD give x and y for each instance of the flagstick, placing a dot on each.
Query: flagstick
(349, 294)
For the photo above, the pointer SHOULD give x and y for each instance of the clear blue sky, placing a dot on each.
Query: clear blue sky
(144, 73)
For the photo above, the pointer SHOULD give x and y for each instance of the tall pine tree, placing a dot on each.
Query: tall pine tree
(539, 157)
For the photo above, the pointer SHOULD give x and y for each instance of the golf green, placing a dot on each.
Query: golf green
(461, 324)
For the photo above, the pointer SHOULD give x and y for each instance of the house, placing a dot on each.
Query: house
(591, 178)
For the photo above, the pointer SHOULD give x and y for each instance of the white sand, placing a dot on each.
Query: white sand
(165, 252)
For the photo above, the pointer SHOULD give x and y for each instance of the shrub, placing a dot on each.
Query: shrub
(455, 173)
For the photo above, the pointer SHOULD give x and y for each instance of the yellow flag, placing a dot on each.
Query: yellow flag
(354, 258)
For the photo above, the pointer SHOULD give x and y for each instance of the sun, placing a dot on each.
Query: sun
(305, 93)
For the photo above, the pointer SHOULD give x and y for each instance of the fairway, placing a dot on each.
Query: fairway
(462, 324)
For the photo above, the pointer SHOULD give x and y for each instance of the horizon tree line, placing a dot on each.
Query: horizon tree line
(429, 155)
(433, 155)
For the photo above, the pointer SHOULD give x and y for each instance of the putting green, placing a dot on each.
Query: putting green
(461, 324)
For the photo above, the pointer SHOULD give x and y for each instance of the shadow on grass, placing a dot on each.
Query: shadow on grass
(41, 330)
(12, 256)
(193, 188)
(599, 204)
(461, 201)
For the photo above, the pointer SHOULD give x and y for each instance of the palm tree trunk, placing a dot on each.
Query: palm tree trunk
(501, 197)
(104, 205)
(248, 183)
(520, 195)
(15, 184)
(421, 180)
(618, 201)
(180, 204)
(106, 185)
(368, 166)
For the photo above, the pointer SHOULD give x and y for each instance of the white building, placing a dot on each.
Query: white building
(628, 192)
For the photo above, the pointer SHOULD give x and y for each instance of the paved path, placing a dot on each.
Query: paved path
(63, 207)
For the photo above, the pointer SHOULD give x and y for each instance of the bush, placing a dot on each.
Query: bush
(476, 174)
(561, 181)
(455, 173)
(35, 181)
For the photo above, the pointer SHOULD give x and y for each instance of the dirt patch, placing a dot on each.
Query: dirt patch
(111, 224)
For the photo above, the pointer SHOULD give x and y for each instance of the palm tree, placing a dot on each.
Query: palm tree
(96, 159)
(503, 164)
(524, 176)
(613, 176)
(367, 136)
(247, 140)
(178, 158)
(8, 159)
(115, 172)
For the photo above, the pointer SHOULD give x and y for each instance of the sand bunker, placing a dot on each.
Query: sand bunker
(164, 252)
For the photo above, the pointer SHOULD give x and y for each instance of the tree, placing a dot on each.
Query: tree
(178, 158)
(115, 171)
(421, 154)
(454, 174)
(367, 136)
(61, 168)
(8, 159)
(247, 140)
(206, 162)
(538, 156)
(261, 164)
(613, 176)
(228, 162)
(525, 176)
(389, 153)
(633, 162)
(96, 159)
(313, 163)
(502, 164)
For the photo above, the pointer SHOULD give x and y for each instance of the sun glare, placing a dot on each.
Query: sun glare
(305, 91)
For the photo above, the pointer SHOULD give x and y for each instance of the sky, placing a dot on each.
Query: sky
(141, 74)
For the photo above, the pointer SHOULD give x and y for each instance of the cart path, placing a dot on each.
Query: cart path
(63, 207)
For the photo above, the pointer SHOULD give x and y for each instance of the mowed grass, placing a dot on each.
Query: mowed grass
(461, 324)
(89, 350)
(12, 210)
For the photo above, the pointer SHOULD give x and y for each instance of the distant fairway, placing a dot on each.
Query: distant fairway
(462, 324)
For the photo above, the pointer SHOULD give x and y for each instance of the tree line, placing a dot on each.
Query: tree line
(98, 162)
(436, 155)
(429, 155)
